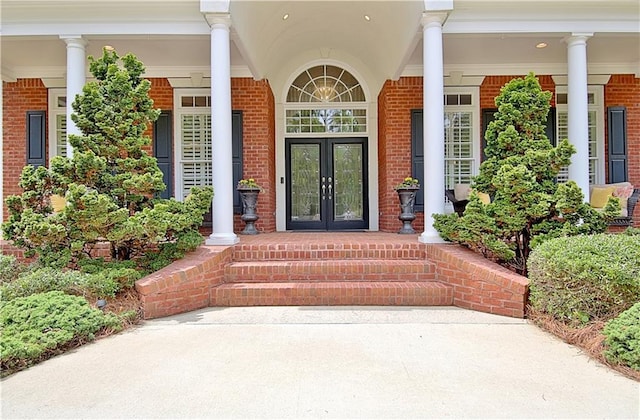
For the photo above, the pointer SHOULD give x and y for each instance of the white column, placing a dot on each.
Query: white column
(578, 109)
(76, 79)
(433, 114)
(222, 213)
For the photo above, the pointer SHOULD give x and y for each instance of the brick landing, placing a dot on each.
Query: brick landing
(318, 268)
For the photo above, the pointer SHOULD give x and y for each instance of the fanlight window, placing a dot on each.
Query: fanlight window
(324, 84)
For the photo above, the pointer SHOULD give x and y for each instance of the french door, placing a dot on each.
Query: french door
(326, 184)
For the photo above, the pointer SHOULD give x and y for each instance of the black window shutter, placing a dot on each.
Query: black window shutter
(36, 133)
(617, 122)
(236, 145)
(417, 155)
(162, 150)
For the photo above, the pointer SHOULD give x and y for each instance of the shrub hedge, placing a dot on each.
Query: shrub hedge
(582, 278)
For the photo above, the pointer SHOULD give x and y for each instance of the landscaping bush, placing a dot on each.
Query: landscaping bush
(623, 338)
(10, 268)
(40, 325)
(583, 278)
(71, 282)
(528, 205)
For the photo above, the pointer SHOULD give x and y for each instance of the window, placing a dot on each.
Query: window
(461, 139)
(325, 99)
(595, 100)
(193, 151)
(57, 122)
(461, 135)
(193, 130)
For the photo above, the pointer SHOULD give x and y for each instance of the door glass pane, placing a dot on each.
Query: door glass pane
(305, 176)
(348, 183)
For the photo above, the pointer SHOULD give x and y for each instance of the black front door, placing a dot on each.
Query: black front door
(326, 184)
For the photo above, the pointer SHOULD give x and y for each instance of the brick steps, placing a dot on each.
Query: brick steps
(330, 271)
(328, 251)
(332, 293)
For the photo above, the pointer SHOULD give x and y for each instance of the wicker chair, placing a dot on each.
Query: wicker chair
(631, 204)
(458, 205)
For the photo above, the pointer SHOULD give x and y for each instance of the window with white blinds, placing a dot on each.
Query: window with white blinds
(195, 157)
(595, 131)
(461, 135)
(193, 149)
(57, 123)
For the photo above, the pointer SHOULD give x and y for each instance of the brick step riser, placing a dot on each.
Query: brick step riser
(328, 254)
(332, 271)
(347, 293)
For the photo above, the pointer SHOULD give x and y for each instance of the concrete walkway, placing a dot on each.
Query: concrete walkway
(338, 362)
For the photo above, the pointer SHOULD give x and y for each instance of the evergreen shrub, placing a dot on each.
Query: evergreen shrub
(623, 338)
(583, 278)
(37, 326)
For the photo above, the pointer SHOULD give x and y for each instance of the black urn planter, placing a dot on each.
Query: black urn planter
(249, 216)
(407, 215)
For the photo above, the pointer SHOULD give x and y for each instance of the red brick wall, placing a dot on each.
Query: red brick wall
(17, 98)
(162, 94)
(624, 90)
(255, 100)
(395, 102)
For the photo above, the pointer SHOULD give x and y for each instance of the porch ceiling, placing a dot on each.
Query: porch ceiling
(480, 37)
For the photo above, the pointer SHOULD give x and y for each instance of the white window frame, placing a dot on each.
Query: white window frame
(474, 109)
(598, 107)
(54, 112)
(179, 111)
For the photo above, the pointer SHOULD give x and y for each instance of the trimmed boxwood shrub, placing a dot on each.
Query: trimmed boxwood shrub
(623, 338)
(582, 278)
(37, 326)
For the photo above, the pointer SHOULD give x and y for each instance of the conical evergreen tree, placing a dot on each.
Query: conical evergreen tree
(110, 183)
(519, 174)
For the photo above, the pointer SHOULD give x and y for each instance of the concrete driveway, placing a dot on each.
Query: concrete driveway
(335, 362)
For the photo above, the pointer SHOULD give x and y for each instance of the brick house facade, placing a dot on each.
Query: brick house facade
(259, 94)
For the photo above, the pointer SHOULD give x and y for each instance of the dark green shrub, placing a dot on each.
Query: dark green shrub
(44, 324)
(68, 281)
(623, 338)
(528, 206)
(110, 183)
(582, 278)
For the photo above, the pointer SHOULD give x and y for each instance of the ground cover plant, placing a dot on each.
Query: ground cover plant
(527, 205)
(586, 290)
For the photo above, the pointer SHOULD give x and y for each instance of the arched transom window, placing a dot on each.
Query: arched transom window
(326, 99)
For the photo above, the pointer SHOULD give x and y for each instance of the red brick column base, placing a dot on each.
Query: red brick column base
(478, 283)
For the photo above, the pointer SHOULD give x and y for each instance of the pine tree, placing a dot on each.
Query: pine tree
(110, 183)
(528, 205)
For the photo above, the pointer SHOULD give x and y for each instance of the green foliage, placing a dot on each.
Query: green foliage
(623, 338)
(10, 269)
(69, 281)
(528, 206)
(583, 278)
(43, 324)
(110, 184)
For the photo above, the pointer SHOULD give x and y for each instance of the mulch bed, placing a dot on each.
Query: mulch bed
(588, 338)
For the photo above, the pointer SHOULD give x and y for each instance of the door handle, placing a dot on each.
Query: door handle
(324, 187)
(330, 188)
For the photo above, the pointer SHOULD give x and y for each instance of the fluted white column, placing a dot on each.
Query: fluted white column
(222, 213)
(76, 78)
(433, 114)
(578, 109)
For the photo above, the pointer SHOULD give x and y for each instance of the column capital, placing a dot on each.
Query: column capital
(74, 40)
(433, 18)
(218, 20)
(578, 38)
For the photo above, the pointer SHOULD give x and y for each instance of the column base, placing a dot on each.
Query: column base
(222, 239)
(431, 238)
